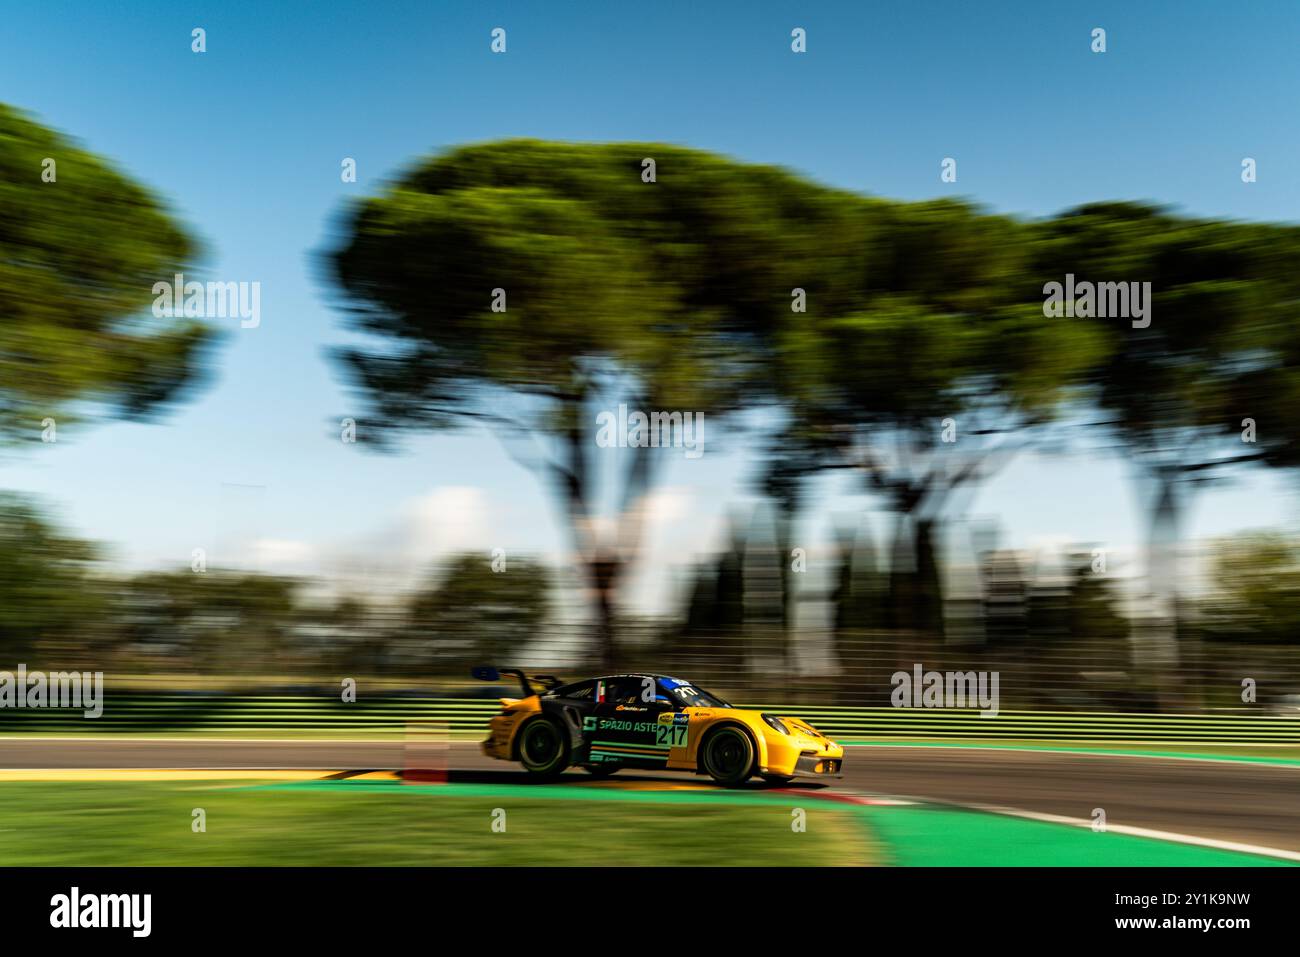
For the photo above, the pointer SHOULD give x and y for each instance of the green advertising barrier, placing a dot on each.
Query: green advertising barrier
(467, 718)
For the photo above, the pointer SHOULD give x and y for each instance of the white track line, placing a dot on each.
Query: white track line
(1132, 831)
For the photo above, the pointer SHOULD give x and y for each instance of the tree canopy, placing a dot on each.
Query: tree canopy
(666, 293)
(524, 283)
(79, 254)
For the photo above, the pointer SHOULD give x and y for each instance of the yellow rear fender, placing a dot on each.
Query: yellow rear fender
(515, 711)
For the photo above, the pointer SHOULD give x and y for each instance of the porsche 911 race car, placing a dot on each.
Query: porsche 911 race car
(651, 722)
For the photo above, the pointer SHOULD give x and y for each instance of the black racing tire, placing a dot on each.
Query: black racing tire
(727, 755)
(600, 770)
(543, 748)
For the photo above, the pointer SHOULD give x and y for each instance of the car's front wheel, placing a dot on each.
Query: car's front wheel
(727, 756)
(543, 749)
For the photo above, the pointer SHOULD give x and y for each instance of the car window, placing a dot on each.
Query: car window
(689, 695)
(623, 690)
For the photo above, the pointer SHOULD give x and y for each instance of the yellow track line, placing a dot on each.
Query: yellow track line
(152, 774)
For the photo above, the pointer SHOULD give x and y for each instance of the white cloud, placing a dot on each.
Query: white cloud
(278, 554)
(450, 519)
(665, 506)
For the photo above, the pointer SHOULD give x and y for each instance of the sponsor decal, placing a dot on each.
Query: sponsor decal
(619, 724)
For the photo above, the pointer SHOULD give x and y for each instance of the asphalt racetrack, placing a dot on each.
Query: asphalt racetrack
(1230, 801)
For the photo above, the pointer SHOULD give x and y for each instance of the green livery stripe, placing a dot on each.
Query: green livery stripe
(611, 752)
(632, 754)
(619, 758)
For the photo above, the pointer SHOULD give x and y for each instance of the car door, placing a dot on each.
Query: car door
(627, 724)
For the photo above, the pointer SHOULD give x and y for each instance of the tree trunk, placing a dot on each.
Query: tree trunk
(604, 572)
(915, 592)
(1158, 648)
(929, 591)
(1162, 551)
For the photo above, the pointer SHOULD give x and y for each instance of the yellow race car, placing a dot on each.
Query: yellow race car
(651, 722)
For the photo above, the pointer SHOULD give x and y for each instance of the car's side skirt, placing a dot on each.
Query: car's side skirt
(604, 751)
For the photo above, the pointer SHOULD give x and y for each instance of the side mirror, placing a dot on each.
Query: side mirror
(485, 673)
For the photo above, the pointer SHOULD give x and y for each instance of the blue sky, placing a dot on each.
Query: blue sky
(245, 141)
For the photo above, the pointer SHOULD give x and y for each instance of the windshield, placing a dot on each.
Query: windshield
(693, 697)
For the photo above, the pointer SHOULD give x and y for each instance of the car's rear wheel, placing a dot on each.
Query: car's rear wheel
(728, 756)
(600, 770)
(543, 749)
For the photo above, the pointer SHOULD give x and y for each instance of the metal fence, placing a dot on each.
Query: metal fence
(215, 715)
(1142, 673)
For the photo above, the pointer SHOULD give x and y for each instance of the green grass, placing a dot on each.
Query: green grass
(133, 824)
(931, 836)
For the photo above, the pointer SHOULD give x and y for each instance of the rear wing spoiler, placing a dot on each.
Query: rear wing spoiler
(488, 673)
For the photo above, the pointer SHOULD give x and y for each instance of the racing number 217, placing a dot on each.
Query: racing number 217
(673, 735)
